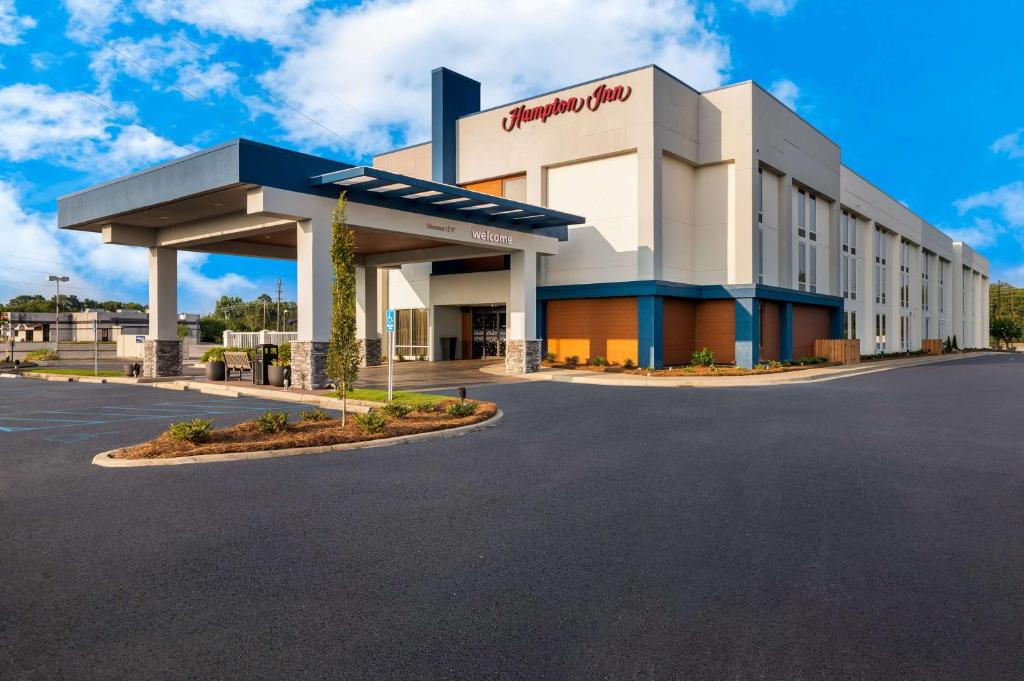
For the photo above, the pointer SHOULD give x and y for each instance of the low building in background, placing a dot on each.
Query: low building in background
(75, 327)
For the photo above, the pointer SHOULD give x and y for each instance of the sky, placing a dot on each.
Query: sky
(924, 98)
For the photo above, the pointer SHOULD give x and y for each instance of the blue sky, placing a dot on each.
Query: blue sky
(923, 97)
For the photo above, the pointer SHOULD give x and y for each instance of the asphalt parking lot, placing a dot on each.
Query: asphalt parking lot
(865, 528)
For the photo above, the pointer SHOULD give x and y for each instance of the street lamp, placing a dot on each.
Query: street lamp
(56, 343)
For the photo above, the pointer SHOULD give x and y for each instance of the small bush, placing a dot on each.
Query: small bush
(628, 363)
(315, 414)
(598, 361)
(284, 354)
(396, 410)
(703, 357)
(550, 357)
(461, 409)
(572, 360)
(372, 422)
(424, 407)
(196, 430)
(272, 421)
(774, 364)
(214, 354)
(45, 354)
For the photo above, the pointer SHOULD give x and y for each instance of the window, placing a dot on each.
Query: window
(904, 333)
(806, 231)
(848, 272)
(942, 287)
(411, 333)
(807, 267)
(925, 291)
(904, 274)
(881, 266)
(880, 338)
(801, 251)
(850, 330)
(759, 200)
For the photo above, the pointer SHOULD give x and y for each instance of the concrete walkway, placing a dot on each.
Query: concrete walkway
(830, 373)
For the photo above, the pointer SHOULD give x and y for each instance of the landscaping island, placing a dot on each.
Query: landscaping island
(271, 430)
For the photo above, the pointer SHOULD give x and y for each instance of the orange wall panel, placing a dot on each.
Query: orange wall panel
(810, 323)
(770, 328)
(678, 319)
(592, 327)
(716, 329)
(492, 187)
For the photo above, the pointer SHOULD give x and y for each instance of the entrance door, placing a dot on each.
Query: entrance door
(488, 332)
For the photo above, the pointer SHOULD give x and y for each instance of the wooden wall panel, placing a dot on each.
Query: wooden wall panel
(810, 323)
(770, 328)
(677, 331)
(716, 329)
(592, 327)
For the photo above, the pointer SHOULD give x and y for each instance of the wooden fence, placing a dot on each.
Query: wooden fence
(933, 346)
(843, 351)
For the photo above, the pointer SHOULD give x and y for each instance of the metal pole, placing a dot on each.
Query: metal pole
(391, 362)
(56, 343)
(95, 348)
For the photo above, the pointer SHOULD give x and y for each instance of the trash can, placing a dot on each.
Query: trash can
(266, 354)
(448, 347)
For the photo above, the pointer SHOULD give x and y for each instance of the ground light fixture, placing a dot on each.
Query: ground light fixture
(56, 329)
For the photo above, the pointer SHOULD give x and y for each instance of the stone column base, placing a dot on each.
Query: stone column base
(161, 358)
(522, 356)
(371, 352)
(309, 365)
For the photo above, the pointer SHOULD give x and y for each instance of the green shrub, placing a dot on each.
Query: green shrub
(45, 354)
(550, 357)
(272, 422)
(598, 361)
(216, 353)
(774, 364)
(461, 409)
(628, 363)
(572, 360)
(424, 406)
(284, 354)
(396, 410)
(315, 414)
(372, 422)
(703, 357)
(196, 430)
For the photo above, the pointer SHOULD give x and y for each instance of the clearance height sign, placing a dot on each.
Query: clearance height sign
(602, 94)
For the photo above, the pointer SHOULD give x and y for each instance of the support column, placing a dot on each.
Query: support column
(650, 331)
(367, 309)
(522, 347)
(748, 332)
(786, 332)
(836, 323)
(314, 278)
(161, 353)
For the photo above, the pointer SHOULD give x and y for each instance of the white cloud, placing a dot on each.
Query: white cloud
(12, 24)
(786, 91)
(1007, 200)
(1010, 144)
(270, 20)
(371, 64)
(92, 17)
(97, 271)
(776, 8)
(983, 233)
(66, 128)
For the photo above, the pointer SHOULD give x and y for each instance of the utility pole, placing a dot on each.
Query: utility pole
(56, 318)
(279, 303)
(264, 314)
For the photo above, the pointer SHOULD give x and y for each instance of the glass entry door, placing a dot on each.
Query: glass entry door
(488, 332)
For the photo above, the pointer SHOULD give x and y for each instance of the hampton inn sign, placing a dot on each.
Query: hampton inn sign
(592, 102)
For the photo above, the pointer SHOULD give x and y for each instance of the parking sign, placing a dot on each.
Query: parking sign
(389, 325)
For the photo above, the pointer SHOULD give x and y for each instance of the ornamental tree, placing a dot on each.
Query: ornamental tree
(343, 352)
(1006, 330)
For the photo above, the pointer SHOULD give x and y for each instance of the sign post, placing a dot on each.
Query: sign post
(95, 348)
(389, 326)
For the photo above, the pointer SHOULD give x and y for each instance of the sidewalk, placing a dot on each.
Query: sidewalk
(785, 378)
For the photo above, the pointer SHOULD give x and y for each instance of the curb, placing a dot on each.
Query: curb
(104, 459)
(753, 381)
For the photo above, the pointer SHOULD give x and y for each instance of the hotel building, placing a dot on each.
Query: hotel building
(629, 217)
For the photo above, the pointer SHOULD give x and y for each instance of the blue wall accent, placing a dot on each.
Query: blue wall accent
(452, 95)
(652, 287)
(542, 326)
(649, 324)
(786, 332)
(748, 332)
(836, 323)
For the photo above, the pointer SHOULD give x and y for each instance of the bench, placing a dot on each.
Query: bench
(236, 361)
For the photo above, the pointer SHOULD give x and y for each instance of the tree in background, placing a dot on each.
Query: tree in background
(238, 315)
(1006, 331)
(343, 353)
(68, 303)
(1006, 308)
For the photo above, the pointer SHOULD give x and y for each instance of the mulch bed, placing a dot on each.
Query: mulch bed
(245, 437)
(725, 370)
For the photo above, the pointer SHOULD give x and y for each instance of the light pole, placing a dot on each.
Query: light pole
(56, 343)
